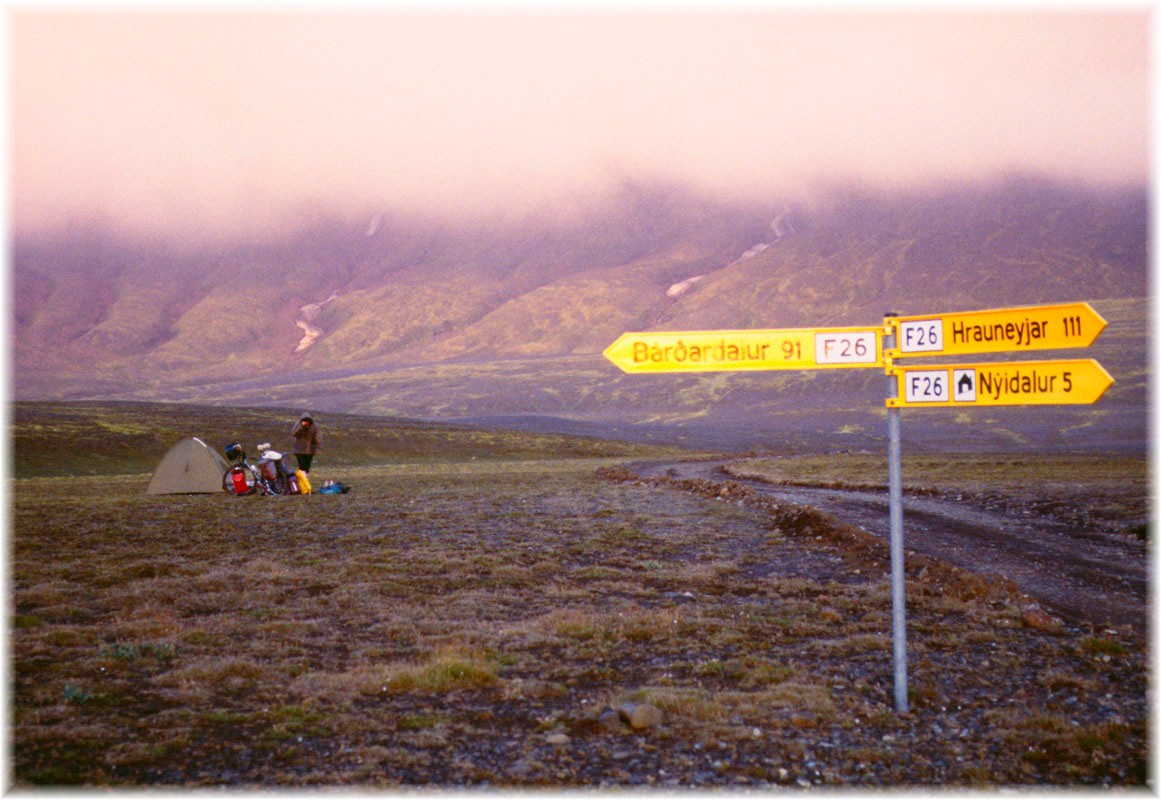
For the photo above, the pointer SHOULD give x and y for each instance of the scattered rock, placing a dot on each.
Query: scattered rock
(640, 716)
(611, 721)
(830, 616)
(1038, 619)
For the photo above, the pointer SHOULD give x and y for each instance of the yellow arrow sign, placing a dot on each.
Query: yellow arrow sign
(1011, 383)
(705, 351)
(998, 330)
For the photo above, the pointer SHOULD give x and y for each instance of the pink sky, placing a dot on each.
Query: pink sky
(226, 123)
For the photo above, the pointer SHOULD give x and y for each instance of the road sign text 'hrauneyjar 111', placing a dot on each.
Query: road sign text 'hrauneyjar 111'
(1052, 327)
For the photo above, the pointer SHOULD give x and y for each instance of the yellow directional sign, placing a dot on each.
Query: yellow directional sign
(1011, 383)
(998, 330)
(705, 351)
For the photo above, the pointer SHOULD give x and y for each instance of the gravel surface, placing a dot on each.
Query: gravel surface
(1078, 568)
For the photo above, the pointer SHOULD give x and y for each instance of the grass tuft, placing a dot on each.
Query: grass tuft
(444, 672)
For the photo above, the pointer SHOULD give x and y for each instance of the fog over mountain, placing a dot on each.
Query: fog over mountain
(429, 317)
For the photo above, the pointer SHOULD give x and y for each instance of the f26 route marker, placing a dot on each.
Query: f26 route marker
(1049, 327)
(1001, 383)
(788, 348)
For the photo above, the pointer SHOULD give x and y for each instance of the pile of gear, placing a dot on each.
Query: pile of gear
(273, 473)
(192, 467)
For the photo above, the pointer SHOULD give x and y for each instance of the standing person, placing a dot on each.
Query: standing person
(307, 441)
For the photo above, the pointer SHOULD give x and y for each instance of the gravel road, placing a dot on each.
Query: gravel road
(1079, 573)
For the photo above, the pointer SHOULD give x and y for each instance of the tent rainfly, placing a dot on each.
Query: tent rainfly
(190, 467)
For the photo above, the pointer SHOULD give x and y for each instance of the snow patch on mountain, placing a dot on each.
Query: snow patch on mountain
(678, 289)
(755, 250)
(781, 227)
(306, 316)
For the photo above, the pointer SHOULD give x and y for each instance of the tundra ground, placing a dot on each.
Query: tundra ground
(495, 622)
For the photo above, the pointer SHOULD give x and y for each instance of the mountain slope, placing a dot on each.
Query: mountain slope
(1014, 244)
(381, 316)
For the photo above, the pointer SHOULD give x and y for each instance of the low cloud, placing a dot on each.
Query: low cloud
(246, 124)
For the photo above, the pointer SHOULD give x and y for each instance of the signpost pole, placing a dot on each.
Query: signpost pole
(1050, 327)
(898, 586)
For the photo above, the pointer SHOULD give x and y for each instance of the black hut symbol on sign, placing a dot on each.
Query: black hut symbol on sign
(964, 381)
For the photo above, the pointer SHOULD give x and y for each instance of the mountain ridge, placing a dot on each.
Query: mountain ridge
(400, 305)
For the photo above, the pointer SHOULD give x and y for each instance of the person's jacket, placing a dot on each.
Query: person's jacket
(307, 441)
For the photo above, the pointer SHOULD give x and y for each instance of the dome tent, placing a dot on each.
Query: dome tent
(190, 467)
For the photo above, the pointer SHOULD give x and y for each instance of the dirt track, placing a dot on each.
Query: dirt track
(1078, 573)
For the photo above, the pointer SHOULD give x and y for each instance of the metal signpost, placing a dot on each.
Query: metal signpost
(1048, 327)
(895, 509)
(1010, 383)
